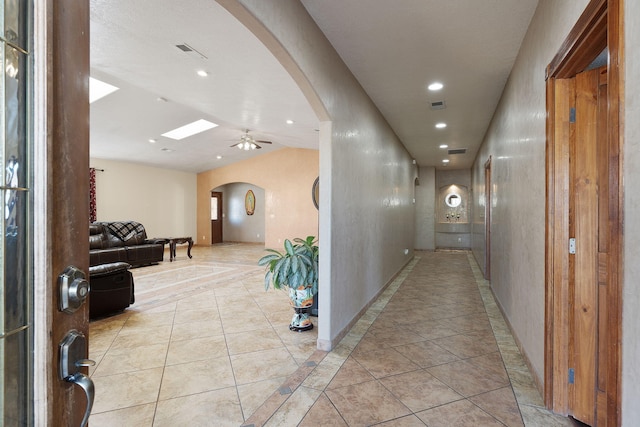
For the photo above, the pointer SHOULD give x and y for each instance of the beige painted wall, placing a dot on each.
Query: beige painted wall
(163, 200)
(516, 141)
(286, 176)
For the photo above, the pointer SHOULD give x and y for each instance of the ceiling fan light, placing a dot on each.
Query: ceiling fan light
(253, 146)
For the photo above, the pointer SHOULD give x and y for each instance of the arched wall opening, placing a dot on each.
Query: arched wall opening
(285, 177)
(366, 213)
(243, 212)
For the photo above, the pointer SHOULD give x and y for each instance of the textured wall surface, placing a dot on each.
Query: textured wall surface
(425, 210)
(515, 141)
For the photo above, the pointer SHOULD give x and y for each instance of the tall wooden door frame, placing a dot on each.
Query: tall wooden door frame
(599, 27)
(219, 224)
(487, 219)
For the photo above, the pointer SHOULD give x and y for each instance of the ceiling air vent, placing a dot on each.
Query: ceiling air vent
(458, 151)
(438, 105)
(191, 51)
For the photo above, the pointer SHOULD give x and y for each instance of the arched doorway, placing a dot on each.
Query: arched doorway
(238, 213)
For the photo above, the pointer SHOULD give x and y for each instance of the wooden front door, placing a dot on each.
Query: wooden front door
(44, 141)
(67, 190)
(216, 217)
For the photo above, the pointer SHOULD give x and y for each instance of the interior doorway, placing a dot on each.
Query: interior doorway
(584, 235)
(588, 224)
(216, 217)
(487, 219)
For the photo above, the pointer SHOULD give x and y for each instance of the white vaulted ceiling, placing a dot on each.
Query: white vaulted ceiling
(394, 49)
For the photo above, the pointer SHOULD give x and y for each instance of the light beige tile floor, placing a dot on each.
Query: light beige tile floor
(205, 345)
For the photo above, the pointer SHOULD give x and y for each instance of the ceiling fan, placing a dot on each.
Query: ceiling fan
(248, 143)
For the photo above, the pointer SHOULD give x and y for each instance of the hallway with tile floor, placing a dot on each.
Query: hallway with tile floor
(205, 345)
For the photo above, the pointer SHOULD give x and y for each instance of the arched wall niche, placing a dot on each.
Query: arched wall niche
(452, 204)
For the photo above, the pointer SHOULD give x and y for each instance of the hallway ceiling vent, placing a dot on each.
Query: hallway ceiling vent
(458, 151)
(438, 105)
(191, 51)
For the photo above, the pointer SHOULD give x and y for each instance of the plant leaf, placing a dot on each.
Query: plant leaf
(288, 246)
(267, 280)
(268, 258)
(276, 272)
(286, 271)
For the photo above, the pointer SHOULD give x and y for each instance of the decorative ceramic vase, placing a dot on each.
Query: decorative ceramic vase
(301, 301)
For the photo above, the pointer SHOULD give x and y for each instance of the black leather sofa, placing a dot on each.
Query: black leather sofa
(123, 241)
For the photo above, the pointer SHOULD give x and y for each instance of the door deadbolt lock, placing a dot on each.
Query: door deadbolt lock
(74, 289)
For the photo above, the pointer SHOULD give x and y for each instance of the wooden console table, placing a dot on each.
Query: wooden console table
(173, 241)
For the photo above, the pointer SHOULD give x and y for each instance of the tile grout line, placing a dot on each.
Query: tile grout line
(164, 366)
(499, 327)
(302, 375)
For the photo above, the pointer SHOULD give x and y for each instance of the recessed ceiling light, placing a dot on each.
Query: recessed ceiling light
(441, 125)
(435, 86)
(153, 140)
(445, 161)
(202, 73)
(289, 122)
(218, 157)
(99, 89)
(444, 146)
(190, 129)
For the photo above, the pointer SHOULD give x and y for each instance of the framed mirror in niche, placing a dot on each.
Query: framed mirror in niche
(452, 204)
(453, 200)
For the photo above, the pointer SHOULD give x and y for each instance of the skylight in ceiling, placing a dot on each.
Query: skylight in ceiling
(190, 129)
(99, 89)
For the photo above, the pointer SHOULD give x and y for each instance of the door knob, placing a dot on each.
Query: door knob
(73, 349)
(89, 390)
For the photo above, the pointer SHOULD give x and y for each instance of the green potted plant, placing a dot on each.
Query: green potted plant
(295, 269)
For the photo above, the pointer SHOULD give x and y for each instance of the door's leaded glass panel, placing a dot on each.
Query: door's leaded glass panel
(16, 333)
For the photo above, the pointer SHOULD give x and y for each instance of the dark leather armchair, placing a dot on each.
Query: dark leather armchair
(111, 289)
(115, 247)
